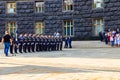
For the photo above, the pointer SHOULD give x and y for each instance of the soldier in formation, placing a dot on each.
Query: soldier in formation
(27, 43)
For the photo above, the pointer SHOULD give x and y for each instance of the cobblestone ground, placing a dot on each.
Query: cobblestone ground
(69, 64)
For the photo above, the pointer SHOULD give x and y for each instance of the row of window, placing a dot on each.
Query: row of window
(68, 28)
(39, 6)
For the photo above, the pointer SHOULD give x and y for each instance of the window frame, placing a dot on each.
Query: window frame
(42, 30)
(63, 9)
(71, 26)
(102, 26)
(102, 5)
(43, 10)
(9, 27)
(7, 9)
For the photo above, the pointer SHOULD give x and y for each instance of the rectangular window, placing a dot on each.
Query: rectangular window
(98, 4)
(68, 28)
(11, 27)
(39, 27)
(67, 5)
(98, 26)
(39, 7)
(11, 7)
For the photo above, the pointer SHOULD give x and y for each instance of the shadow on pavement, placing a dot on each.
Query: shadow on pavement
(31, 69)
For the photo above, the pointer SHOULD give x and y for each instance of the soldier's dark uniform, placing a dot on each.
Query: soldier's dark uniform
(15, 45)
(60, 42)
(48, 44)
(33, 43)
(66, 42)
(43, 43)
(69, 42)
(20, 40)
(57, 44)
(25, 43)
(37, 43)
(29, 43)
(11, 46)
(52, 44)
(40, 43)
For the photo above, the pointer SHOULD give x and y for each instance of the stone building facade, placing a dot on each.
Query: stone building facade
(82, 21)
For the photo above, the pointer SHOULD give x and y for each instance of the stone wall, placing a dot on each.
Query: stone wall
(53, 16)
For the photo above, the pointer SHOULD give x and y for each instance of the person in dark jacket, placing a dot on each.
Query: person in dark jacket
(101, 36)
(20, 40)
(66, 42)
(69, 42)
(11, 46)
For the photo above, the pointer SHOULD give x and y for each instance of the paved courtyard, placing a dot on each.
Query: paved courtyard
(85, 61)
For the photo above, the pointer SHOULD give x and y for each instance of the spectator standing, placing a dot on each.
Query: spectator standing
(7, 42)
